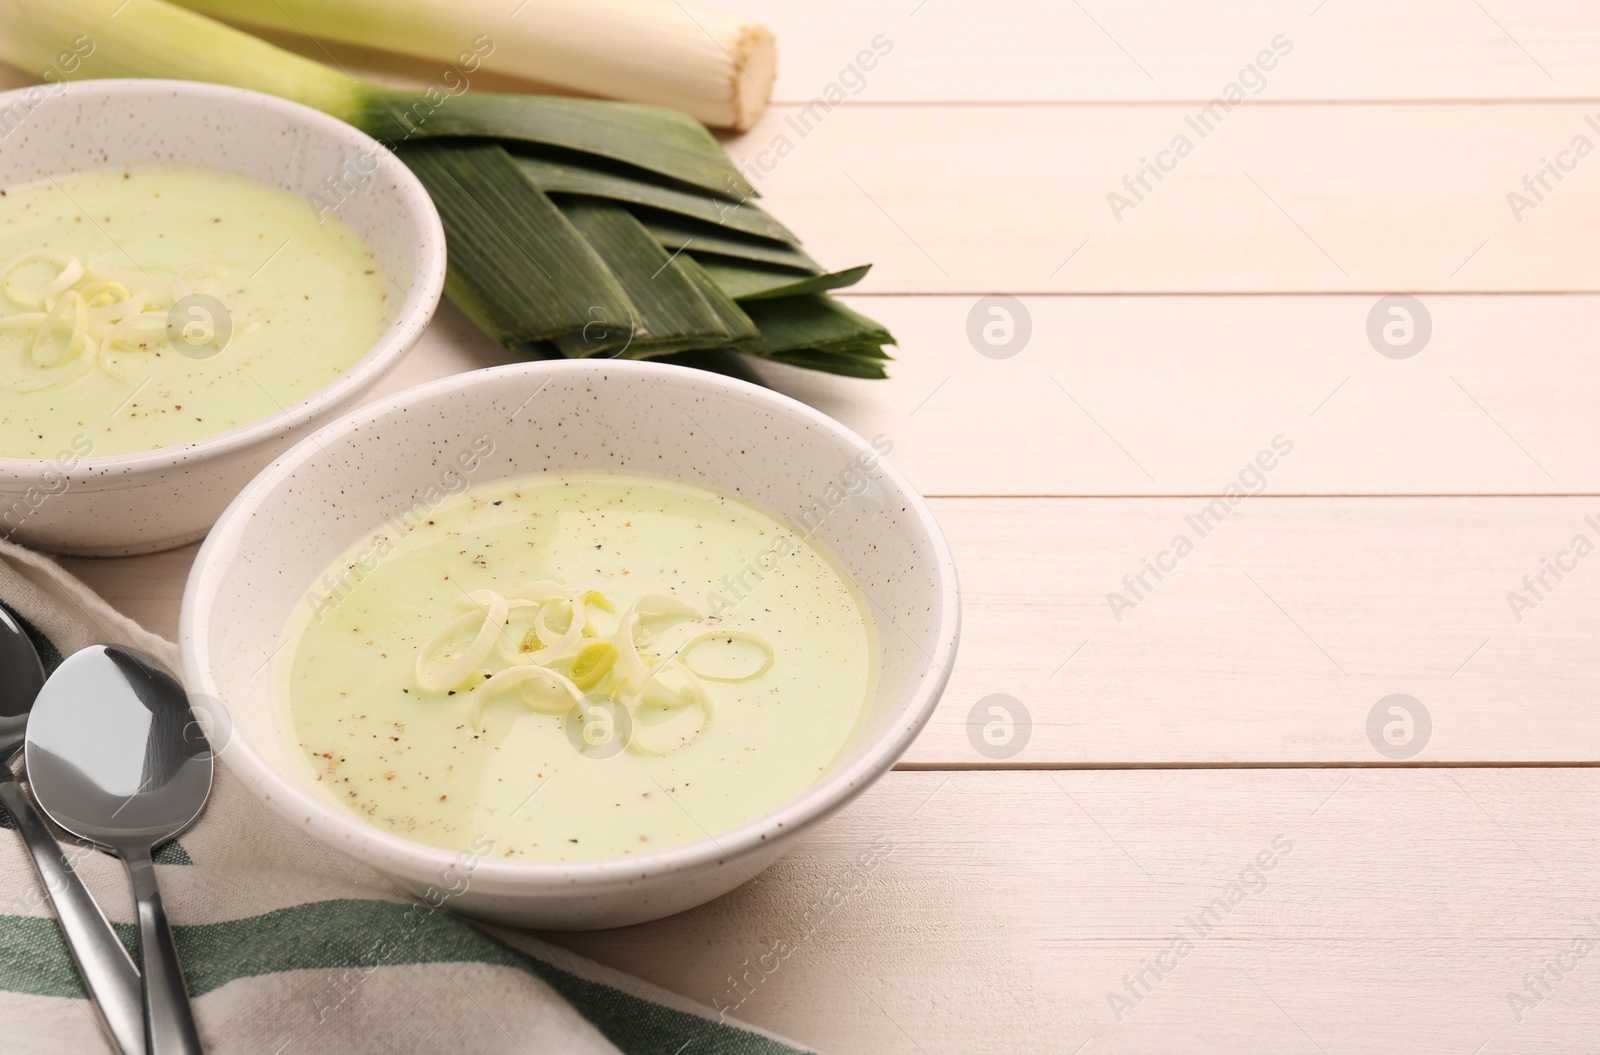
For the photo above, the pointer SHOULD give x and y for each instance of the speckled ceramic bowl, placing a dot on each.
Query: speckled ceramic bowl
(152, 500)
(309, 506)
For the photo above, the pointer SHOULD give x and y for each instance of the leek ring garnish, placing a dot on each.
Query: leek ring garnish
(657, 738)
(592, 663)
(65, 367)
(628, 637)
(69, 306)
(658, 606)
(140, 332)
(558, 696)
(579, 664)
(104, 317)
(21, 319)
(95, 294)
(41, 295)
(102, 308)
(77, 351)
(730, 636)
(631, 667)
(654, 694)
(491, 619)
(544, 598)
(518, 641)
(564, 637)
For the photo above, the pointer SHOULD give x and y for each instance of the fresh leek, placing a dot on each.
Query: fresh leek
(576, 227)
(716, 66)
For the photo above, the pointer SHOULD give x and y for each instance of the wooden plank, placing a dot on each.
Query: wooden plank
(146, 589)
(1274, 638)
(1307, 198)
(1041, 50)
(1271, 642)
(995, 913)
(1173, 395)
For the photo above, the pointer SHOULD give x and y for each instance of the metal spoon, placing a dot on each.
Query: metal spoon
(103, 963)
(115, 757)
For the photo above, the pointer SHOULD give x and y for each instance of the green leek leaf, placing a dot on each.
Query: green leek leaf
(812, 321)
(832, 363)
(653, 138)
(585, 176)
(738, 322)
(667, 310)
(517, 267)
(678, 232)
(749, 280)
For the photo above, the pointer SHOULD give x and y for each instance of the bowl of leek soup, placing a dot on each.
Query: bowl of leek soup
(572, 644)
(190, 276)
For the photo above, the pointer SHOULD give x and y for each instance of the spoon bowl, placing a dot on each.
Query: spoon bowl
(114, 753)
(115, 757)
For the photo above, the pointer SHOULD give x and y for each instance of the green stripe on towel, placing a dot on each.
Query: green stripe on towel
(358, 933)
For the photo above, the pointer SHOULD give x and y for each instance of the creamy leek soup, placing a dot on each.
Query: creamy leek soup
(150, 306)
(576, 665)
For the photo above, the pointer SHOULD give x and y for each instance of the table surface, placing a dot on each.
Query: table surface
(1202, 838)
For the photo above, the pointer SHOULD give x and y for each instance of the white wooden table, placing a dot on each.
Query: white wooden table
(1093, 892)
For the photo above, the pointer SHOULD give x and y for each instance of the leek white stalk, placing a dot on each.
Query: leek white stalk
(716, 66)
(109, 38)
(153, 38)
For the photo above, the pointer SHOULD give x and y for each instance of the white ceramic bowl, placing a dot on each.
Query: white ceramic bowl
(317, 500)
(152, 500)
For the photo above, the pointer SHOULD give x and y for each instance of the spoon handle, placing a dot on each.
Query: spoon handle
(103, 963)
(169, 1027)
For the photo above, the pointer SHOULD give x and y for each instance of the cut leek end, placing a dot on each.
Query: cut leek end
(756, 69)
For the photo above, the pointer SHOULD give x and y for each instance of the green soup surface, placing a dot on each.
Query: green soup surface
(153, 305)
(780, 662)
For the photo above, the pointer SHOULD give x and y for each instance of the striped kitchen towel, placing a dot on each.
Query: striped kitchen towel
(291, 949)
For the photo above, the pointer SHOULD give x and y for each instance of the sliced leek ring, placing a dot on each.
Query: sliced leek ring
(662, 738)
(729, 635)
(44, 293)
(142, 331)
(69, 308)
(491, 619)
(539, 688)
(554, 677)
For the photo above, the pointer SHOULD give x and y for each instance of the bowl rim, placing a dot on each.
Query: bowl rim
(411, 317)
(397, 854)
